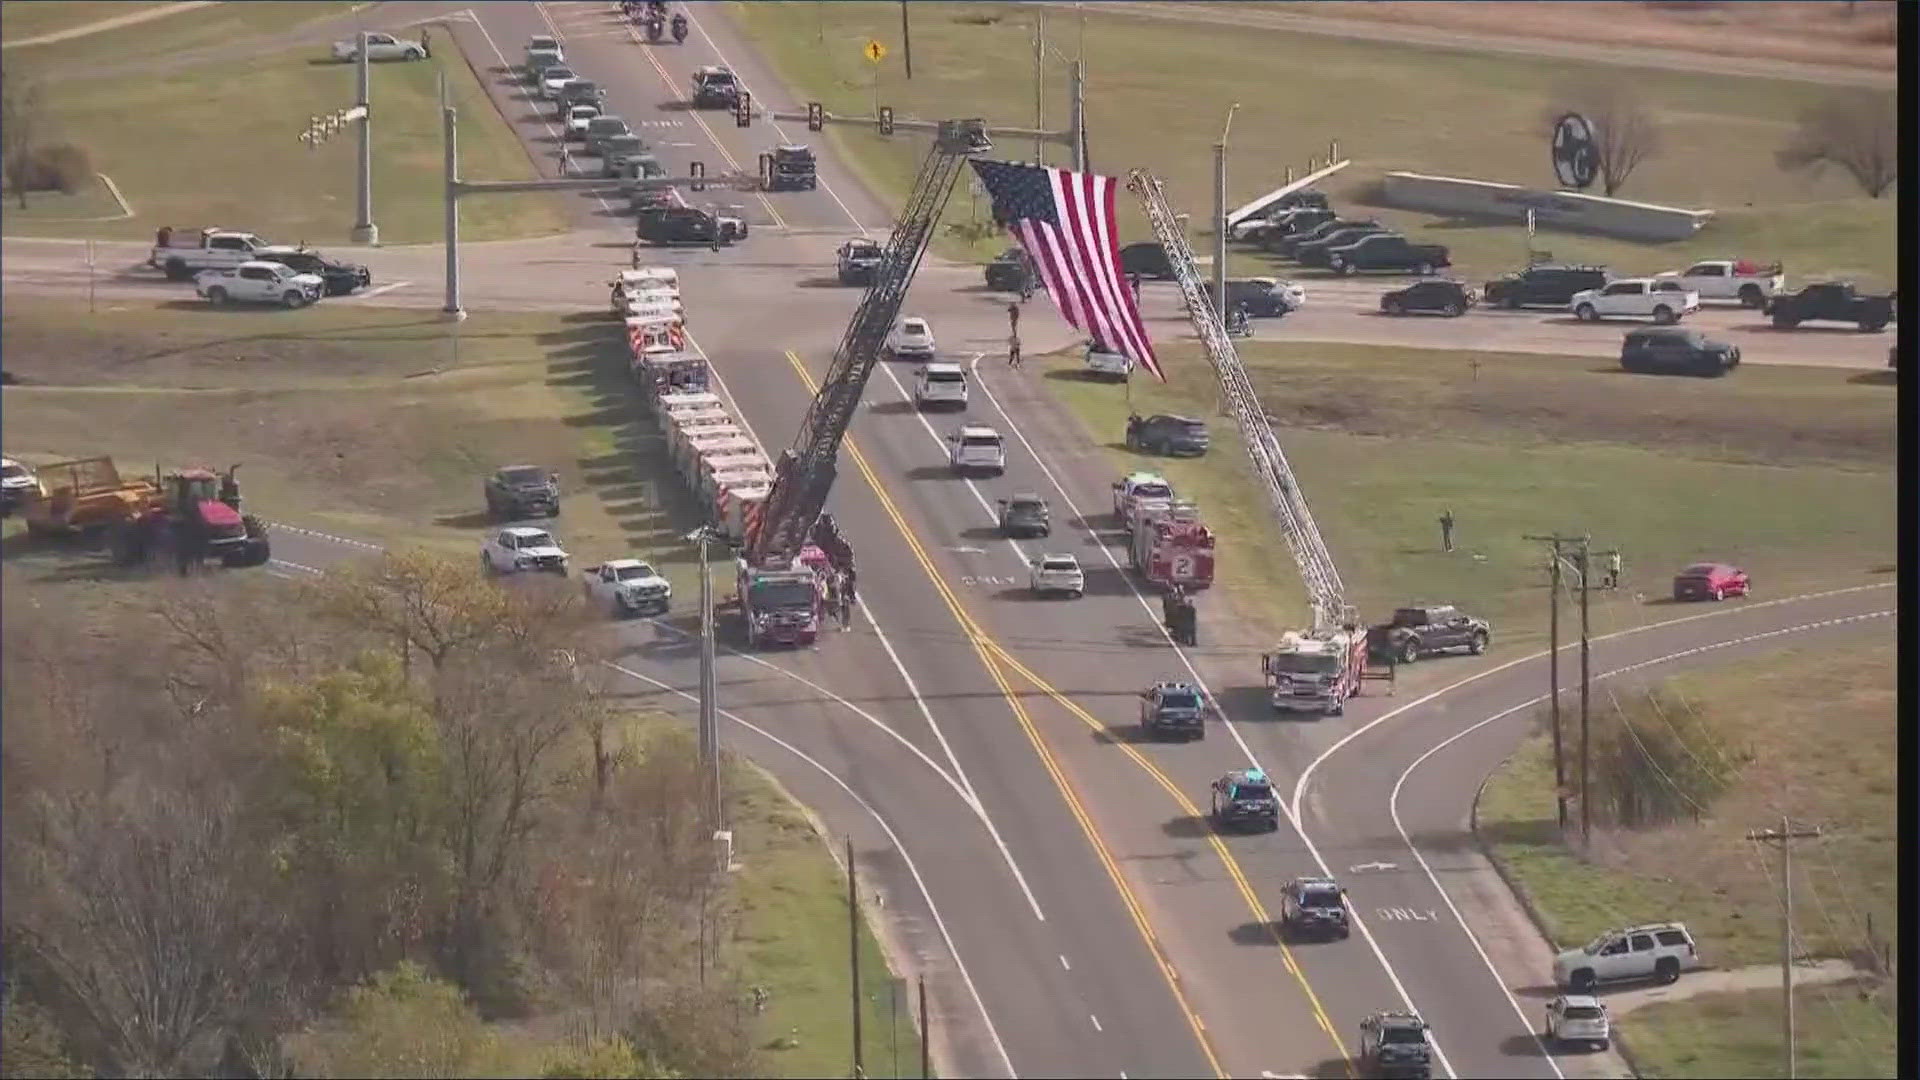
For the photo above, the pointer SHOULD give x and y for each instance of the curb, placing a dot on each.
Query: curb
(1620, 1045)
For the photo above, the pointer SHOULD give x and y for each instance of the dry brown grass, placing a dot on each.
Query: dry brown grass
(1858, 35)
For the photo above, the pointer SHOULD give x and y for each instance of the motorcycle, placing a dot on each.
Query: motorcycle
(680, 29)
(653, 28)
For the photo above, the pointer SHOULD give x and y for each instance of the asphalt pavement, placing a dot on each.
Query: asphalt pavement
(1042, 866)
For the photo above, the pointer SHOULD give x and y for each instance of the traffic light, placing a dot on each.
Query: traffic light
(886, 119)
(743, 110)
(816, 116)
(697, 171)
(766, 170)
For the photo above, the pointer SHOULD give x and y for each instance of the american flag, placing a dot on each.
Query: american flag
(1065, 222)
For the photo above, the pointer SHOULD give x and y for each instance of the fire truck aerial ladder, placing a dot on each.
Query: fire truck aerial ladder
(805, 472)
(1322, 580)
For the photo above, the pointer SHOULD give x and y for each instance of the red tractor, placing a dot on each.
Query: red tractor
(197, 517)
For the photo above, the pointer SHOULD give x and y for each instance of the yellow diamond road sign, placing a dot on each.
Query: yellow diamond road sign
(875, 51)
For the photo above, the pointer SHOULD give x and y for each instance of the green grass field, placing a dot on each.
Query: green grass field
(793, 940)
(342, 423)
(1843, 1035)
(1158, 92)
(1838, 773)
(250, 171)
(96, 54)
(1786, 471)
(20, 19)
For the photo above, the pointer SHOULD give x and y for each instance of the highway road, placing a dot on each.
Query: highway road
(1047, 872)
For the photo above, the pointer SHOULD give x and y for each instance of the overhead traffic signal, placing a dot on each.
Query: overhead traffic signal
(816, 116)
(697, 174)
(886, 119)
(743, 110)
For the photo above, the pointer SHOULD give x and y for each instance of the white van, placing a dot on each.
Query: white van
(937, 385)
(977, 448)
(1108, 363)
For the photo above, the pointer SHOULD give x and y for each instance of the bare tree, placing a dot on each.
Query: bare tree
(1858, 130)
(1625, 132)
(150, 920)
(419, 601)
(23, 117)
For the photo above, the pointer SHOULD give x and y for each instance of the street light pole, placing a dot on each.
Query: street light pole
(709, 721)
(450, 138)
(364, 230)
(1220, 216)
(1039, 84)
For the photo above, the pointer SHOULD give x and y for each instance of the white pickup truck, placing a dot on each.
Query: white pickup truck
(1751, 283)
(260, 283)
(1662, 300)
(182, 255)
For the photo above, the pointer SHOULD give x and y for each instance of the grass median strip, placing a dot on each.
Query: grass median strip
(1838, 774)
(1784, 471)
(1157, 91)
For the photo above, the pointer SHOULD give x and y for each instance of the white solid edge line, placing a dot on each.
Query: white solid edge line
(1232, 729)
(380, 290)
(777, 129)
(558, 36)
(1300, 786)
(919, 882)
(866, 608)
(1393, 800)
(959, 786)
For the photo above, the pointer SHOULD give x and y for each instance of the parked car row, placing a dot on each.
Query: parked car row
(1305, 228)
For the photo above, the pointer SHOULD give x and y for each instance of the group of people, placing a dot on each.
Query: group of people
(1178, 615)
(839, 582)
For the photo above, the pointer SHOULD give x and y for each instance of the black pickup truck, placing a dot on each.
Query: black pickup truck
(1831, 301)
(1415, 632)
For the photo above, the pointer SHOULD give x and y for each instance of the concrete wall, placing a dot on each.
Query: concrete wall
(1562, 210)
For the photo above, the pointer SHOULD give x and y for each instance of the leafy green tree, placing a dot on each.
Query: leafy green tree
(402, 1023)
(605, 1059)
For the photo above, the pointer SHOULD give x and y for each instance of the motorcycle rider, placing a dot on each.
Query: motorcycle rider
(680, 27)
(1237, 321)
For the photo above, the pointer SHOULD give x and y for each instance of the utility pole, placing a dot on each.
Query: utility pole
(1039, 83)
(906, 39)
(1785, 835)
(709, 717)
(1586, 684)
(853, 957)
(1077, 116)
(364, 230)
(926, 1054)
(450, 137)
(1553, 673)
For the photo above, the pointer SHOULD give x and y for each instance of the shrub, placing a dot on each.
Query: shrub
(61, 167)
(1656, 758)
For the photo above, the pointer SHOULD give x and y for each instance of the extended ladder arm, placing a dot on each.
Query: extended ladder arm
(805, 472)
(1325, 592)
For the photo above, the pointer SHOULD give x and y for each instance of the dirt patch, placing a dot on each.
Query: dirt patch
(1861, 35)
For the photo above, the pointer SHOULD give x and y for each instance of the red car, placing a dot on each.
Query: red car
(1711, 581)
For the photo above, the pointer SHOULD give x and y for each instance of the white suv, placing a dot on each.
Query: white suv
(1664, 300)
(1056, 574)
(977, 447)
(940, 384)
(1659, 951)
(1575, 1018)
(1107, 362)
(911, 340)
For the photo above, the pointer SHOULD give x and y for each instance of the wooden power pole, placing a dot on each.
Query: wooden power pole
(1785, 835)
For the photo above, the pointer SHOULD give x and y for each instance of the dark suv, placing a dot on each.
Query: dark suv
(1173, 709)
(1008, 272)
(1542, 286)
(1396, 1044)
(1314, 906)
(341, 277)
(679, 225)
(1174, 436)
(1244, 799)
(1148, 259)
(523, 491)
(1673, 350)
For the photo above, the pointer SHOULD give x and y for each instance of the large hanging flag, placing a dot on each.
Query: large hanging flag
(1064, 221)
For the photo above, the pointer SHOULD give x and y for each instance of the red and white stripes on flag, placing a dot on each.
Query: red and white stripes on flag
(1065, 222)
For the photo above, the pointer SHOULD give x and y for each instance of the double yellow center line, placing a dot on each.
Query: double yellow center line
(998, 661)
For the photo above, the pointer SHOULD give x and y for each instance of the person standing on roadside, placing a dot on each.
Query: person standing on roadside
(1613, 569)
(1446, 529)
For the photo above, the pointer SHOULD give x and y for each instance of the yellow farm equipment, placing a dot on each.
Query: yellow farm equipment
(86, 497)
